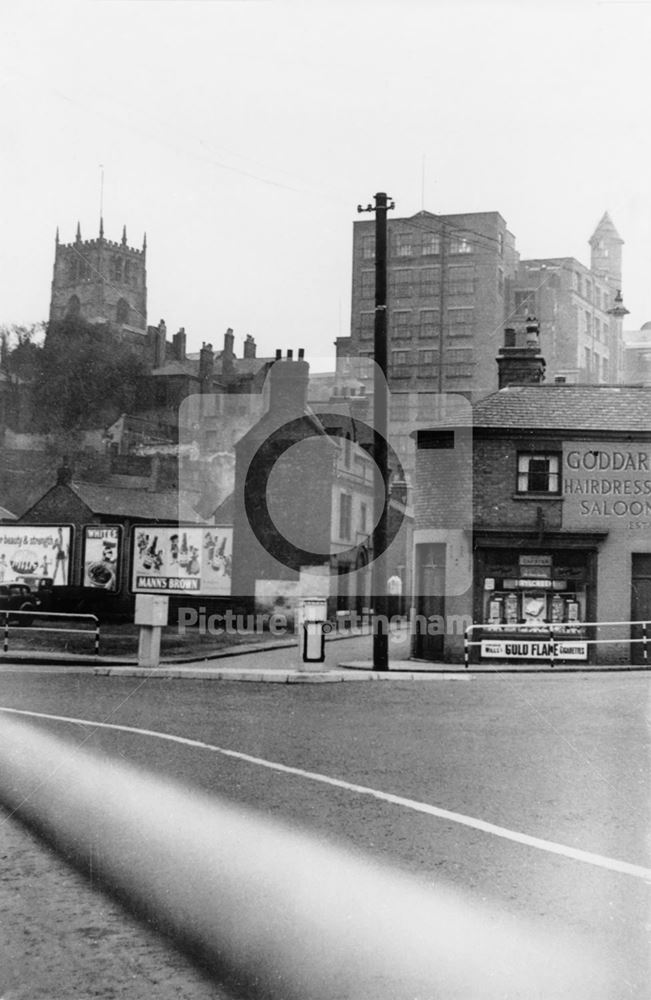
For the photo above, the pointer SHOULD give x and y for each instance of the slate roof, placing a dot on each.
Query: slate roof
(121, 502)
(566, 408)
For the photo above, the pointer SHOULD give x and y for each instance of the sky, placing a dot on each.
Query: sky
(241, 136)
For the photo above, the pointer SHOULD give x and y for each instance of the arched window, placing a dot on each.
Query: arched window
(116, 268)
(122, 311)
(72, 270)
(73, 308)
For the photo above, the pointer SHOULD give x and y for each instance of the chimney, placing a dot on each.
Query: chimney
(289, 384)
(179, 342)
(206, 367)
(520, 361)
(160, 344)
(64, 473)
(228, 353)
(249, 346)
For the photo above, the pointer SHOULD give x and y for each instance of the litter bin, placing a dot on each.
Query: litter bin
(314, 628)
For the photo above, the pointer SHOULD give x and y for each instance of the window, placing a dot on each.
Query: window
(429, 284)
(426, 358)
(368, 284)
(431, 244)
(500, 244)
(538, 473)
(116, 269)
(400, 359)
(428, 324)
(73, 308)
(400, 406)
(401, 323)
(362, 517)
(400, 283)
(345, 509)
(368, 247)
(525, 302)
(588, 322)
(403, 244)
(459, 244)
(597, 328)
(366, 325)
(122, 311)
(588, 290)
(461, 281)
(434, 439)
(460, 322)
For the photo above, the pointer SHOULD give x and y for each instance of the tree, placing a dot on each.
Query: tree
(85, 377)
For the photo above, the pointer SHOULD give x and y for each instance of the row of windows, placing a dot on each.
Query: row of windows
(597, 368)
(426, 281)
(599, 296)
(120, 271)
(420, 245)
(425, 323)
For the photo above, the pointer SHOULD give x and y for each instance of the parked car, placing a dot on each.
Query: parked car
(17, 597)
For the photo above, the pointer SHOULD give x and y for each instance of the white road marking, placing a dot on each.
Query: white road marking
(550, 846)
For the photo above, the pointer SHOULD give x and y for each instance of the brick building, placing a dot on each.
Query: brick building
(446, 293)
(561, 512)
(303, 500)
(581, 335)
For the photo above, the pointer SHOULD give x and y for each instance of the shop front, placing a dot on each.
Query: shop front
(532, 598)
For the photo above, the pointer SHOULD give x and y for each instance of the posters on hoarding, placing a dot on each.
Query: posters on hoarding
(102, 545)
(33, 552)
(175, 560)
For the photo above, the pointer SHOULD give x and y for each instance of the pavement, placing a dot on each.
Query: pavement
(347, 658)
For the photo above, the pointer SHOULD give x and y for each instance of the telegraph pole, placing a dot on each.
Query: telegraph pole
(381, 428)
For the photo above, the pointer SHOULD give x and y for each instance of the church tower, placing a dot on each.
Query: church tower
(100, 281)
(606, 252)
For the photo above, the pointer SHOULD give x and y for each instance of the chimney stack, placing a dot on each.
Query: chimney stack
(249, 346)
(179, 342)
(206, 367)
(288, 380)
(228, 354)
(520, 361)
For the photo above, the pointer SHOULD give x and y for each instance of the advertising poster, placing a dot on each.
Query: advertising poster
(33, 552)
(101, 554)
(173, 560)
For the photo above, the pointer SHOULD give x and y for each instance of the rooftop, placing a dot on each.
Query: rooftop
(567, 408)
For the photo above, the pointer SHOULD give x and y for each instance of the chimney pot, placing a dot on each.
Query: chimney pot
(290, 355)
(301, 353)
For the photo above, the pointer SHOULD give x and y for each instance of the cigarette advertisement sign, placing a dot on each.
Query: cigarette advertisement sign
(31, 552)
(102, 550)
(176, 560)
(533, 649)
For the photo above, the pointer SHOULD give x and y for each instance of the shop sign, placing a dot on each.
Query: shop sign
(533, 649)
(102, 545)
(33, 552)
(607, 485)
(531, 584)
(182, 559)
(535, 560)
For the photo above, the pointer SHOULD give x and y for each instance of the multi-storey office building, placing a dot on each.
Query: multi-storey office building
(446, 292)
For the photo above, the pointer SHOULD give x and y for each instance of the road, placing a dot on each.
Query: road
(561, 758)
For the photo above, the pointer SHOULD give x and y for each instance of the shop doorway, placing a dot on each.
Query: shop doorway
(429, 642)
(640, 602)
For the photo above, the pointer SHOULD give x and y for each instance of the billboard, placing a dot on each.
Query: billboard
(182, 559)
(32, 552)
(102, 552)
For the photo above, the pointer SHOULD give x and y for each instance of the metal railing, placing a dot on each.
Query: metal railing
(551, 632)
(271, 912)
(7, 614)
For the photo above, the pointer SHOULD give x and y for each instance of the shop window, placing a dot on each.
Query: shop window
(538, 473)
